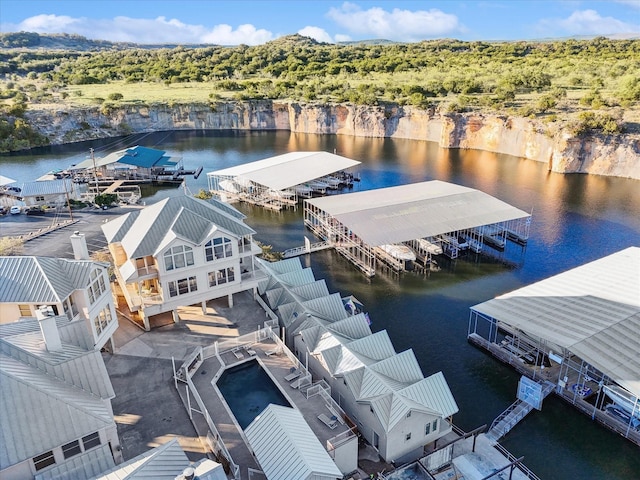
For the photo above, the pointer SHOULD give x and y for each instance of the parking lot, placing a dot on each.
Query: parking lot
(57, 243)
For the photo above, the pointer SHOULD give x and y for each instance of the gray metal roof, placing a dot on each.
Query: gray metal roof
(42, 280)
(592, 310)
(288, 170)
(65, 413)
(86, 465)
(46, 187)
(143, 232)
(165, 462)
(296, 455)
(407, 212)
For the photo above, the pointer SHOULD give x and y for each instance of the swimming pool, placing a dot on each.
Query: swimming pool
(248, 390)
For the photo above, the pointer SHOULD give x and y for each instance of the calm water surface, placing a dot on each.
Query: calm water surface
(576, 219)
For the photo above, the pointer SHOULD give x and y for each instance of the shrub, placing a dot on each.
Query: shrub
(115, 96)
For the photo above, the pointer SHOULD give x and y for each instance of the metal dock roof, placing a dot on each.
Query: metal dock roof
(592, 310)
(407, 212)
(289, 170)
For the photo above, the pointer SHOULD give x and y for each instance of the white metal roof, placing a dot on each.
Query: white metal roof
(592, 310)
(288, 170)
(406, 212)
(297, 453)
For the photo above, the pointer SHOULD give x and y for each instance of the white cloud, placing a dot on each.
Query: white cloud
(586, 22)
(316, 33)
(143, 30)
(631, 3)
(401, 25)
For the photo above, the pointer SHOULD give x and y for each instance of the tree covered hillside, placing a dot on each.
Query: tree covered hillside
(585, 84)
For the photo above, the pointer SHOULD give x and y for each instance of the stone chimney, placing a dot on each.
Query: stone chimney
(49, 329)
(79, 244)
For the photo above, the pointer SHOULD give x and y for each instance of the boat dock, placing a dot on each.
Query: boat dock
(508, 419)
(307, 248)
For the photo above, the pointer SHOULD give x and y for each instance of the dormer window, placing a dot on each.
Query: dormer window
(218, 248)
(178, 257)
(97, 285)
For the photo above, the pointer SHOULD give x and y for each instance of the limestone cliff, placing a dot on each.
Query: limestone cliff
(602, 155)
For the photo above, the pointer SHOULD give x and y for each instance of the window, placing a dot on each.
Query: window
(91, 440)
(435, 425)
(97, 286)
(71, 449)
(178, 257)
(25, 310)
(44, 460)
(427, 429)
(102, 320)
(408, 413)
(39, 198)
(182, 286)
(218, 248)
(226, 275)
(407, 437)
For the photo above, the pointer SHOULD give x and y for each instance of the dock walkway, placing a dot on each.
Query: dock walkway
(313, 247)
(508, 419)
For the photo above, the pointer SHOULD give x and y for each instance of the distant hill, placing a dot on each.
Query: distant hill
(71, 42)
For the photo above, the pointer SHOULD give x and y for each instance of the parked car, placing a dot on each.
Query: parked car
(15, 210)
(36, 211)
(3, 210)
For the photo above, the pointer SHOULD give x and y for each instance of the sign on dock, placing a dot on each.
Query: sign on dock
(530, 391)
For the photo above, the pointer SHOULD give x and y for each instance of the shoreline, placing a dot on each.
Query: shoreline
(561, 151)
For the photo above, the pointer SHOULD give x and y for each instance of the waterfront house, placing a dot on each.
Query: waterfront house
(56, 419)
(77, 290)
(396, 409)
(50, 193)
(180, 251)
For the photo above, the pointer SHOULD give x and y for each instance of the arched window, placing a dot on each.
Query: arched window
(178, 257)
(218, 248)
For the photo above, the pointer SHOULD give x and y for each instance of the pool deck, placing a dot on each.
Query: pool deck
(278, 366)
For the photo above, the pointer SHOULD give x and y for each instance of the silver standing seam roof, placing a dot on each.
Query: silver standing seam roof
(407, 212)
(592, 310)
(143, 232)
(296, 454)
(289, 170)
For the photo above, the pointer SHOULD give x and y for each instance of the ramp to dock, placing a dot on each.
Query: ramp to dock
(307, 248)
(512, 415)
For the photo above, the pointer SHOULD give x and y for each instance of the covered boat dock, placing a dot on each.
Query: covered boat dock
(579, 330)
(278, 182)
(395, 226)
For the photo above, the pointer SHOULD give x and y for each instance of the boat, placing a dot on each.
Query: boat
(228, 186)
(625, 400)
(429, 247)
(399, 252)
(622, 415)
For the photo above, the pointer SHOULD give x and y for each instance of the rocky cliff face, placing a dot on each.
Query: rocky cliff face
(614, 155)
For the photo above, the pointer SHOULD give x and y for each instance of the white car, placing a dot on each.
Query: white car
(15, 210)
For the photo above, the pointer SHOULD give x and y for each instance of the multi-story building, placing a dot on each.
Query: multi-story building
(56, 419)
(76, 289)
(396, 409)
(181, 251)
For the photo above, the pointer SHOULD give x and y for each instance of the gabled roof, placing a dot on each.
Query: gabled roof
(289, 169)
(165, 462)
(296, 455)
(46, 187)
(399, 370)
(64, 412)
(434, 392)
(143, 232)
(42, 280)
(353, 327)
(402, 213)
(135, 156)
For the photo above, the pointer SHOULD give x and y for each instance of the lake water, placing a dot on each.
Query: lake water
(576, 219)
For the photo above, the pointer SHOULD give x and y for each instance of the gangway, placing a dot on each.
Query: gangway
(306, 248)
(512, 415)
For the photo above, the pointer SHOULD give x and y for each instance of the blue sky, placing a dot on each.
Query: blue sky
(255, 22)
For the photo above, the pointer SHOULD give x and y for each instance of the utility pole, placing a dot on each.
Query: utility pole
(66, 193)
(95, 173)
